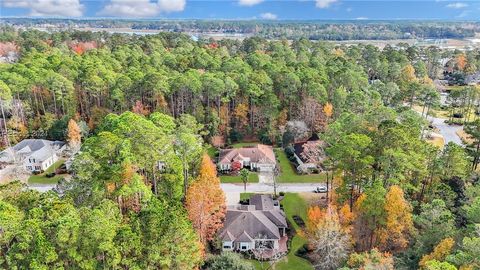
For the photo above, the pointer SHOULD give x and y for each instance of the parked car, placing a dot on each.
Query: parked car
(320, 190)
(50, 175)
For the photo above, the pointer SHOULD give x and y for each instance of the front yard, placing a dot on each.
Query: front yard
(252, 178)
(42, 179)
(288, 173)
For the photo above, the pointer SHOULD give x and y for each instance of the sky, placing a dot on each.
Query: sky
(246, 9)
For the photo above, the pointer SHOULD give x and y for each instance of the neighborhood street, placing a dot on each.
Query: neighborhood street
(232, 191)
(264, 188)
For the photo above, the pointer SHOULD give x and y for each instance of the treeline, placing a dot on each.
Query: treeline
(313, 30)
(236, 88)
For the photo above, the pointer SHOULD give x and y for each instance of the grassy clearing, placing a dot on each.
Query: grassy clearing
(42, 179)
(289, 175)
(252, 178)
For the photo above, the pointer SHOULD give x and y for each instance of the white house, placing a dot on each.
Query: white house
(35, 154)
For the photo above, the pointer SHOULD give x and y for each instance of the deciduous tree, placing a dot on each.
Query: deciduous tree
(205, 202)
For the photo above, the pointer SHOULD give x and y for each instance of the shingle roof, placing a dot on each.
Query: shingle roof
(36, 148)
(262, 201)
(259, 153)
(245, 223)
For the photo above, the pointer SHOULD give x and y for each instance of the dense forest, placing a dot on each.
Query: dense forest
(146, 107)
(312, 30)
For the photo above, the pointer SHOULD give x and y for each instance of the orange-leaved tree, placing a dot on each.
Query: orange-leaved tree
(394, 236)
(74, 134)
(314, 216)
(205, 201)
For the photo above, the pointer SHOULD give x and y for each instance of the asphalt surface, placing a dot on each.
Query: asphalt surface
(448, 131)
(266, 188)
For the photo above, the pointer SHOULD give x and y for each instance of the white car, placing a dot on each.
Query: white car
(320, 190)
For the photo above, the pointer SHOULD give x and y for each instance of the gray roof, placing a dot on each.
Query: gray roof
(244, 224)
(36, 148)
(262, 201)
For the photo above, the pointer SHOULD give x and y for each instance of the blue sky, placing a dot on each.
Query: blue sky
(246, 9)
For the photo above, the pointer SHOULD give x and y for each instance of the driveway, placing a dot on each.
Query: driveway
(448, 131)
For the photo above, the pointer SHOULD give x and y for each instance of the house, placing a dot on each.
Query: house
(302, 150)
(257, 158)
(259, 227)
(35, 154)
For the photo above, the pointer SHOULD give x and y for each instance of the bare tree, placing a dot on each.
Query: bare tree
(331, 243)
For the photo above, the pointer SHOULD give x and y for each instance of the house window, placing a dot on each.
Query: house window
(227, 246)
(38, 168)
(243, 246)
(29, 168)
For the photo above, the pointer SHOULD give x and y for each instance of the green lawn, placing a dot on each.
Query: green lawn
(252, 178)
(211, 151)
(288, 173)
(293, 204)
(243, 144)
(245, 195)
(42, 179)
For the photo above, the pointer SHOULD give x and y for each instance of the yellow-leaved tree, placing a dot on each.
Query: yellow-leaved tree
(439, 253)
(394, 236)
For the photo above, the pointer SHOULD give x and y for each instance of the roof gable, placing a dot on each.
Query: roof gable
(259, 153)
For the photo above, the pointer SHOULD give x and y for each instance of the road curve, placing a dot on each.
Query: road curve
(449, 132)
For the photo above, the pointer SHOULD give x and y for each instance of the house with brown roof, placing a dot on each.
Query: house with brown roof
(259, 227)
(256, 158)
(302, 151)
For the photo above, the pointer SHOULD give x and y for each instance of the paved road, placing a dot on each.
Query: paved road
(448, 131)
(259, 188)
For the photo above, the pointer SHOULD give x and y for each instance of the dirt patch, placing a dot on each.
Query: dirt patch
(466, 138)
(314, 198)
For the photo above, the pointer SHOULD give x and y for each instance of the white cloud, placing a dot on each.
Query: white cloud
(268, 16)
(141, 8)
(63, 8)
(249, 3)
(457, 5)
(324, 3)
